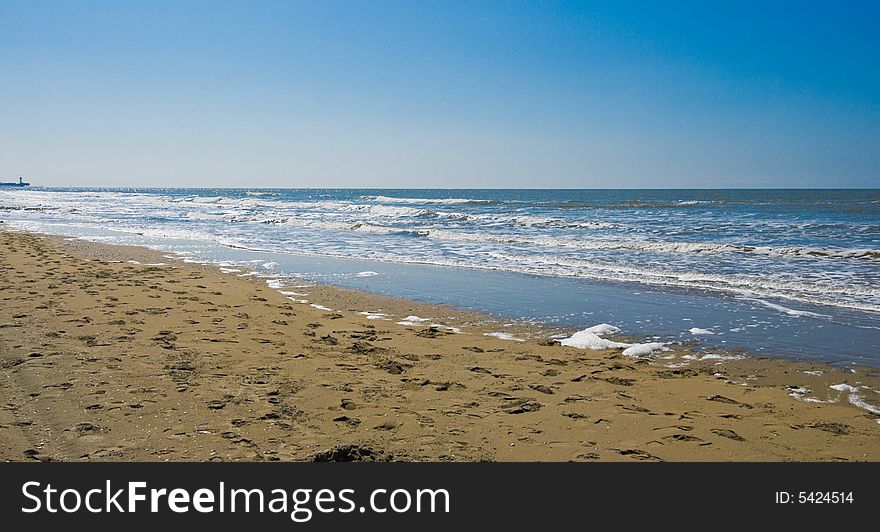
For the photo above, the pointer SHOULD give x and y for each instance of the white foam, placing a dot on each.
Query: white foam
(412, 320)
(857, 401)
(716, 356)
(603, 329)
(366, 274)
(270, 265)
(274, 283)
(850, 295)
(814, 400)
(642, 350)
(320, 307)
(697, 331)
(786, 310)
(855, 398)
(385, 210)
(442, 201)
(374, 315)
(713, 356)
(631, 244)
(504, 336)
(588, 340)
(229, 270)
(800, 393)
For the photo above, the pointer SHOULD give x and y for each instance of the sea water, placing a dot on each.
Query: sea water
(780, 272)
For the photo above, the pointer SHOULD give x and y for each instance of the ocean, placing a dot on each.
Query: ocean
(792, 273)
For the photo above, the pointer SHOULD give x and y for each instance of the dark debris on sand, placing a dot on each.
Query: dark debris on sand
(352, 453)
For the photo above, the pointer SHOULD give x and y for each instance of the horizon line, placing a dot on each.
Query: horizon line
(154, 187)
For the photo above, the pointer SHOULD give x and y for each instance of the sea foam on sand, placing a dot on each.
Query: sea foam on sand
(642, 350)
(855, 398)
(590, 338)
(504, 336)
(374, 315)
(412, 320)
(603, 328)
(713, 356)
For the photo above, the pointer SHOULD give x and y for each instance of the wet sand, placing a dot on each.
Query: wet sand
(157, 359)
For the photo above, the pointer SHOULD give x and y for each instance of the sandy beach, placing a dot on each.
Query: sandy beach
(113, 353)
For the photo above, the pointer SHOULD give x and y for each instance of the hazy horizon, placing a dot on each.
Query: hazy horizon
(159, 187)
(570, 95)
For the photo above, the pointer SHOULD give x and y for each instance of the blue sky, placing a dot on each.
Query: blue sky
(441, 94)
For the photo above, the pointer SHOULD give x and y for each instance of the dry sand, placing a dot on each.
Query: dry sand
(101, 359)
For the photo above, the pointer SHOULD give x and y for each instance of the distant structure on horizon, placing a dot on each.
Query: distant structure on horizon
(21, 183)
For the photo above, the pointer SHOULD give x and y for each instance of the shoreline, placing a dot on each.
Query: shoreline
(763, 303)
(99, 362)
(526, 328)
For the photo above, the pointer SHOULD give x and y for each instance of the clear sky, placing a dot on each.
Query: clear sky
(441, 94)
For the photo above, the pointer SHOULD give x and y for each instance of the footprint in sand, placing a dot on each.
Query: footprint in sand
(639, 454)
(728, 434)
(350, 421)
(683, 438)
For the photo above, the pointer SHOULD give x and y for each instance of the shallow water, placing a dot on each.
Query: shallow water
(794, 273)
